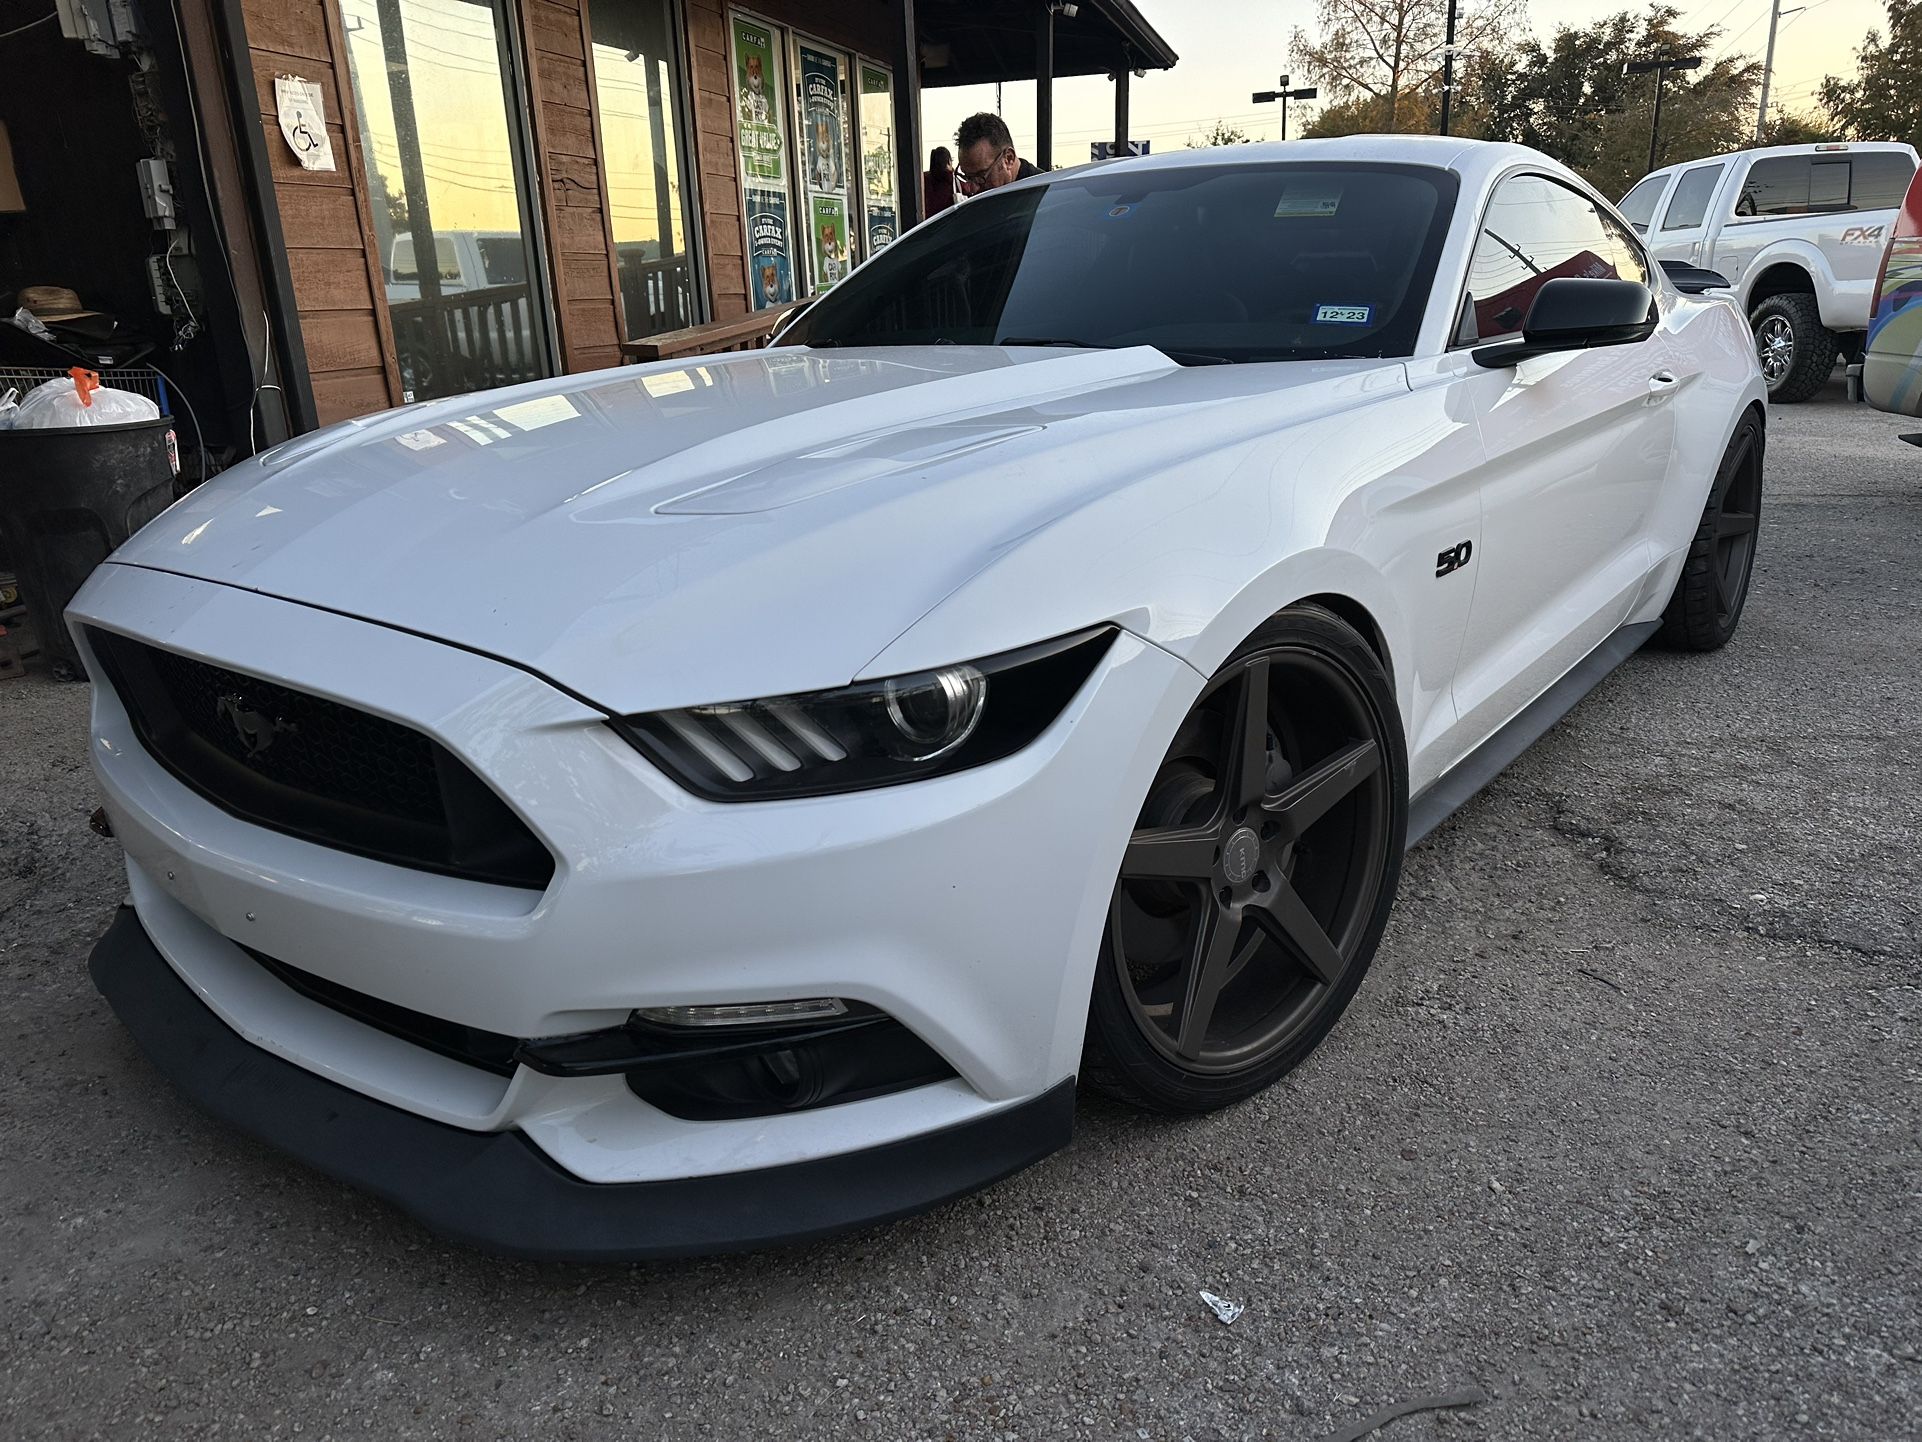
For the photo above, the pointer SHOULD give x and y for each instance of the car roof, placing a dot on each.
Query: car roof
(1472, 159)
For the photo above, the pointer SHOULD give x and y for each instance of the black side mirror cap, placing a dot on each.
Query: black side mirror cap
(1693, 279)
(1576, 313)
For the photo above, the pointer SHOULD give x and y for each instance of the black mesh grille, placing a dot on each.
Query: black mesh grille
(316, 769)
(311, 744)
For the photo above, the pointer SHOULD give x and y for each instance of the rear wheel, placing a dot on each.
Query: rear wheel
(1260, 874)
(1713, 587)
(1796, 352)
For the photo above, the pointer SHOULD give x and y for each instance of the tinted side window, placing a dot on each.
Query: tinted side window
(1536, 230)
(1693, 192)
(1639, 204)
(1777, 186)
(1881, 179)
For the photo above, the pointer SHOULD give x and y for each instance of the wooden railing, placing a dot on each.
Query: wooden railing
(656, 295)
(471, 340)
(746, 332)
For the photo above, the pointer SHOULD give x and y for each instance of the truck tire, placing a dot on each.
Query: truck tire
(1796, 352)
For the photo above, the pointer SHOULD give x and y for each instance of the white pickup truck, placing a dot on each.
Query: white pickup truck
(1798, 230)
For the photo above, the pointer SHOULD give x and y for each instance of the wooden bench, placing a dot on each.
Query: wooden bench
(744, 332)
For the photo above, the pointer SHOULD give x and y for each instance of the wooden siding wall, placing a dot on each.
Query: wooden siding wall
(867, 27)
(324, 218)
(573, 183)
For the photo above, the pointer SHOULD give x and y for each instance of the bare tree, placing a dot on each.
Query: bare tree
(1369, 53)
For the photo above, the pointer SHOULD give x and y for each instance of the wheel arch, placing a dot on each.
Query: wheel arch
(1356, 614)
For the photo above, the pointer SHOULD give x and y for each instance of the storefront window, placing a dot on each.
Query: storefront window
(824, 140)
(432, 86)
(638, 87)
(881, 216)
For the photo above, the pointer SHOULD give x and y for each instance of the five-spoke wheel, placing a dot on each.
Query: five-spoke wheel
(1261, 869)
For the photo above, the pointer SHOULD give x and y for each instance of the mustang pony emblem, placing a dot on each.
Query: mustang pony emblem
(256, 729)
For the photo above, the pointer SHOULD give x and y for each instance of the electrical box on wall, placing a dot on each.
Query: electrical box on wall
(157, 193)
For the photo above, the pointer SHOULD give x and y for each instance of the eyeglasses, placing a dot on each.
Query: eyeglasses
(979, 177)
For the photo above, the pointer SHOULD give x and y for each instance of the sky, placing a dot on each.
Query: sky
(1230, 48)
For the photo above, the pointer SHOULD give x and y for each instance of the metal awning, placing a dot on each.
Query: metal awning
(980, 42)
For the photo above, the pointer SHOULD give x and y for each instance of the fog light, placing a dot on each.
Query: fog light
(748, 1013)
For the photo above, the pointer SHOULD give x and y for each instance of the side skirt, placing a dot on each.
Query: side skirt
(1488, 760)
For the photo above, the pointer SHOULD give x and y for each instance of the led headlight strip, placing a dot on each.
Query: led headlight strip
(872, 733)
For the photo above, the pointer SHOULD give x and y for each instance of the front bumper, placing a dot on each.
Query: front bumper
(969, 908)
(496, 1191)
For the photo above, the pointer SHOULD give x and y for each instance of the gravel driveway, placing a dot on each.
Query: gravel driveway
(1622, 1130)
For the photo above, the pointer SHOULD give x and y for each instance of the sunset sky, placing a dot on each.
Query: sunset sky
(1230, 48)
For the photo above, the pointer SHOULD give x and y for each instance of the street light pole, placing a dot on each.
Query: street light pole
(1284, 95)
(1659, 68)
(1776, 12)
(1448, 66)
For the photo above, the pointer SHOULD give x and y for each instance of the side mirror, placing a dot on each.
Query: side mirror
(793, 314)
(1692, 279)
(1571, 313)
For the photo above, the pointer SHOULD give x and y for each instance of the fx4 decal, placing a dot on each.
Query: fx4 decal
(1862, 235)
(1454, 558)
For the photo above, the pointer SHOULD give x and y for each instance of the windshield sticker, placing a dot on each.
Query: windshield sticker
(1343, 314)
(1308, 200)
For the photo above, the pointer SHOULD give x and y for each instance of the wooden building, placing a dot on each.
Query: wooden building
(390, 200)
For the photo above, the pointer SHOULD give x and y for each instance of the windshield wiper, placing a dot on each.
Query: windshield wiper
(1179, 357)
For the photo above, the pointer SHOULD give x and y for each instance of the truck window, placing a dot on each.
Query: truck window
(1776, 186)
(1829, 185)
(1638, 206)
(503, 259)
(1689, 204)
(1881, 179)
(404, 268)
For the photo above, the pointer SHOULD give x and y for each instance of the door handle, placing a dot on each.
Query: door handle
(1661, 383)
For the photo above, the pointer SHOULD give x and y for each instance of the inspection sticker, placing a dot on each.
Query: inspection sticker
(1343, 314)
(1308, 200)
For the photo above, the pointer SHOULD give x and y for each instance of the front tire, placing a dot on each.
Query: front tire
(1259, 875)
(1709, 595)
(1796, 352)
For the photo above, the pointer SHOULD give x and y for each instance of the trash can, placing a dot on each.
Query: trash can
(68, 497)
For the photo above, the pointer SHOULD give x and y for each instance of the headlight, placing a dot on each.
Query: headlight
(873, 733)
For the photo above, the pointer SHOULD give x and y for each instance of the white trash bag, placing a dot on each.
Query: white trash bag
(80, 400)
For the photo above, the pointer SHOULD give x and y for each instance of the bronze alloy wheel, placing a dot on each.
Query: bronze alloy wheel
(1259, 875)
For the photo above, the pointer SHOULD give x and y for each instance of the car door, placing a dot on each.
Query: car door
(1577, 448)
(1681, 232)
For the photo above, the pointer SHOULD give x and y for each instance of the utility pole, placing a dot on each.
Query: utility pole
(1776, 12)
(1659, 69)
(1448, 67)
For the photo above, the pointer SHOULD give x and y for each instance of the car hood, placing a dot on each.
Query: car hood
(743, 525)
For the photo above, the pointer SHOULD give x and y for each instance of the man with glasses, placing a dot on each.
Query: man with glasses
(986, 159)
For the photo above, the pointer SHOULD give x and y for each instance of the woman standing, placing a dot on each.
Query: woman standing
(937, 183)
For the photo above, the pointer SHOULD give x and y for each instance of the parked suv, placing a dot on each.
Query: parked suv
(1799, 232)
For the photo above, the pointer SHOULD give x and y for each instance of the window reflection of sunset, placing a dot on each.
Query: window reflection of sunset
(460, 112)
(627, 149)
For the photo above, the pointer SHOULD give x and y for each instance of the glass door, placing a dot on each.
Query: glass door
(637, 84)
(435, 87)
(825, 140)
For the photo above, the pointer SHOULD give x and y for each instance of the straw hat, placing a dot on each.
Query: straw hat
(53, 303)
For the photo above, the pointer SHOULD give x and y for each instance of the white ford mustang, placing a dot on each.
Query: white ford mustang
(698, 804)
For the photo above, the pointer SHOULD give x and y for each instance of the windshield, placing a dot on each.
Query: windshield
(1231, 262)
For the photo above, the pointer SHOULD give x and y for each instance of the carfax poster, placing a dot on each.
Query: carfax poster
(770, 259)
(881, 226)
(828, 234)
(822, 122)
(757, 101)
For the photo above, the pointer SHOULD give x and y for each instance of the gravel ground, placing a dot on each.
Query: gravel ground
(1622, 1130)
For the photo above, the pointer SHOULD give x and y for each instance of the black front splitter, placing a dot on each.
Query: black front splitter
(498, 1192)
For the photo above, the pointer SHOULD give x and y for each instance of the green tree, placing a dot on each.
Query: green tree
(1220, 133)
(1884, 101)
(1570, 99)
(1785, 129)
(1379, 56)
